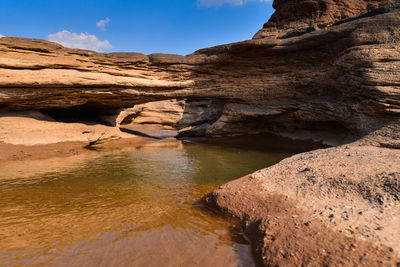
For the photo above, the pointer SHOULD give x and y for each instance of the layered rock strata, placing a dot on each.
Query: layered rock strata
(314, 77)
(300, 16)
(189, 117)
(342, 79)
(34, 128)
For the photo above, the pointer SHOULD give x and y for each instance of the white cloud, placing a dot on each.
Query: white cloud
(102, 24)
(82, 41)
(209, 3)
(1, 36)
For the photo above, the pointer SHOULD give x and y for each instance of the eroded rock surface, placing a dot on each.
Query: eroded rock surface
(344, 78)
(354, 189)
(300, 16)
(315, 77)
(34, 128)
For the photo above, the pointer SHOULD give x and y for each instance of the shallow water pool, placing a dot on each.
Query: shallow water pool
(131, 207)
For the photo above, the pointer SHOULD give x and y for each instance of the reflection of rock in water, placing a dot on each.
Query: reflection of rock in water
(137, 201)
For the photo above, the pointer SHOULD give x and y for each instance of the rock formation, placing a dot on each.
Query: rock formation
(313, 71)
(33, 128)
(300, 16)
(184, 115)
(330, 207)
(341, 79)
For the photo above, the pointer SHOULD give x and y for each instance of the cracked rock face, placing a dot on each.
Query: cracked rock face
(292, 15)
(307, 73)
(341, 79)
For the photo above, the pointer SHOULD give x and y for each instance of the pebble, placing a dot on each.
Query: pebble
(307, 223)
(360, 213)
(305, 170)
(331, 216)
(363, 259)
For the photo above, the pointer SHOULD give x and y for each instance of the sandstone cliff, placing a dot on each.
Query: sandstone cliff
(298, 16)
(315, 76)
(344, 78)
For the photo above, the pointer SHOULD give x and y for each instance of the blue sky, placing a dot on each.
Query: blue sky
(146, 26)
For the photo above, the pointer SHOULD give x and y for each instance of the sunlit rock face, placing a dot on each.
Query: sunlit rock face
(344, 78)
(308, 15)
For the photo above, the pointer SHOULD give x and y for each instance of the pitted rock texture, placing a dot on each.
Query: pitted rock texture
(313, 14)
(353, 190)
(344, 79)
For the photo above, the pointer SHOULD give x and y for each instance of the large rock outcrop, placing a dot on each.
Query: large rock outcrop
(342, 79)
(307, 15)
(330, 207)
(317, 76)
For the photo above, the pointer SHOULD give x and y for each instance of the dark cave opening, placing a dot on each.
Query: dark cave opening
(89, 113)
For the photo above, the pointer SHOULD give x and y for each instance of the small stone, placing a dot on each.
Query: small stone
(331, 216)
(391, 249)
(363, 259)
(307, 223)
(398, 264)
(360, 213)
(305, 170)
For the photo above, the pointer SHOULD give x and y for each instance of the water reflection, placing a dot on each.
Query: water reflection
(129, 207)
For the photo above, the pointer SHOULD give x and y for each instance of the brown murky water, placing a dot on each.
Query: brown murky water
(136, 207)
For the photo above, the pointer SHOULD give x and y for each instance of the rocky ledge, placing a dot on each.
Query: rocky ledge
(330, 207)
(337, 82)
(318, 69)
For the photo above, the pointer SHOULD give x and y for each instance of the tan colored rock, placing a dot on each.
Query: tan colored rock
(353, 189)
(344, 78)
(33, 128)
(190, 117)
(166, 113)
